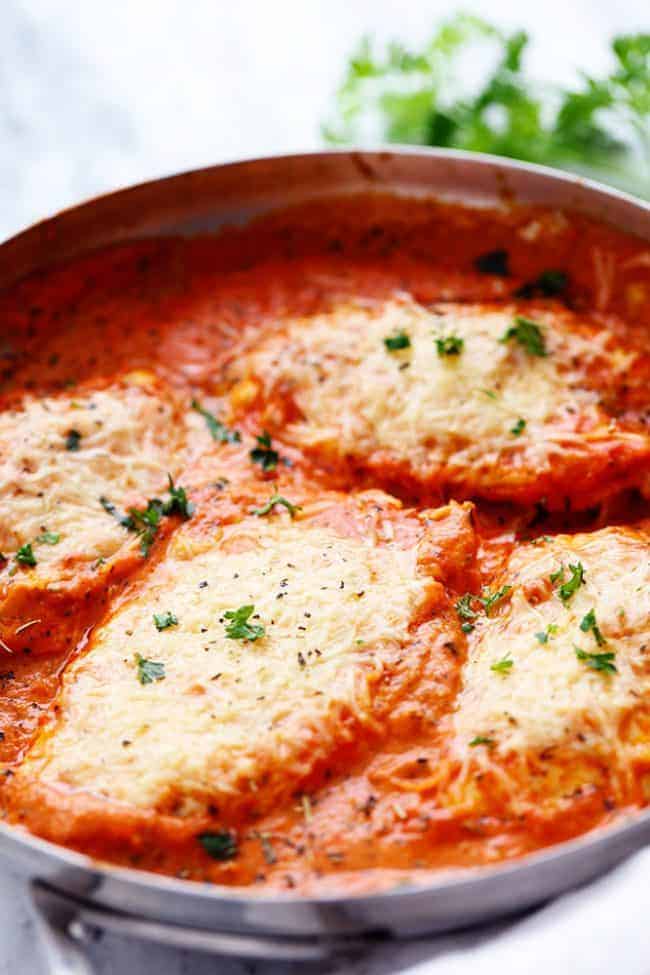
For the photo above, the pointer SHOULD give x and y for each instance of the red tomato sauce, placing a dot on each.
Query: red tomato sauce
(180, 307)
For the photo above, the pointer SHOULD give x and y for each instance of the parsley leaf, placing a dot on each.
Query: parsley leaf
(503, 666)
(263, 454)
(547, 285)
(271, 503)
(493, 262)
(399, 340)
(449, 345)
(603, 662)
(589, 623)
(178, 503)
(528, 334)
(482, 740)
(48, 538)
(464, 609)
(491, 599)
(567, 589)
(488, 600)
(72, 440)
(164, 620)
(145, 523)
(519, 427)
(25, 555)
(218, 430)
(149, 670)
(550, 630)
(220, 846)
(239, 628)
(125, 520)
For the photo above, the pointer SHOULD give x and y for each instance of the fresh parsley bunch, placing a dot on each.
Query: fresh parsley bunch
(431, 96)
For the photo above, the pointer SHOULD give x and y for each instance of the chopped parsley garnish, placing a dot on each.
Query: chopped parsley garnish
(503, 666)
(220, 846)
(481, 740)
(589, 624)
(239, 628)
(493, 262)
(490, 599)
(48, 538)
(528, 334)
(519, 427)
(271, 503)
(263, 454)
(399, 340)
(547, 285)
(177, 503)
(25, 555)
(164, 620)
(464, 609)
(218, 430)
(125, 520)
(567, 589)
(449, 345)
(145, 522)
(72, 440)
(550, 630)
(149, 670)
(603, 662)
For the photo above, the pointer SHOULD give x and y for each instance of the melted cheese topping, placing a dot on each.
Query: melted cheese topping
(548, 696)
(336, 612)
(463, 411)
(125, 441)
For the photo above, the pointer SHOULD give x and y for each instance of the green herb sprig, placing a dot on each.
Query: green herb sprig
(162, 621)
(589, 624)
(239, 628)
(449, 345)
(528, 334)
(397, 342)
(482, 740)
(603, 662)
(218, 430)
(503, 666)
(276, 499)
(145, 522)
(149, 670)
(264, 454)
(598, 127)
(570, 586)
(220, 846)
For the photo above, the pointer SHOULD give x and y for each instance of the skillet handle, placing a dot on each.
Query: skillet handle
(64, 953)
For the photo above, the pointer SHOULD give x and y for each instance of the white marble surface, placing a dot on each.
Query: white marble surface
(96, 95)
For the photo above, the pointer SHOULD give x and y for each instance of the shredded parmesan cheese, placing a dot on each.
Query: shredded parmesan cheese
(549, 696)
(60, 455)
(454, 413)
(335, 612)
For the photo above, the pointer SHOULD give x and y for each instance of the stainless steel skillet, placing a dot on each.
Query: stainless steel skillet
(71, 892)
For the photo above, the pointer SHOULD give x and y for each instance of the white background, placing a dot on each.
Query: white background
(95, 95)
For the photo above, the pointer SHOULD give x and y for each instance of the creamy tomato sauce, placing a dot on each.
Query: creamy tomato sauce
(373, 812)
